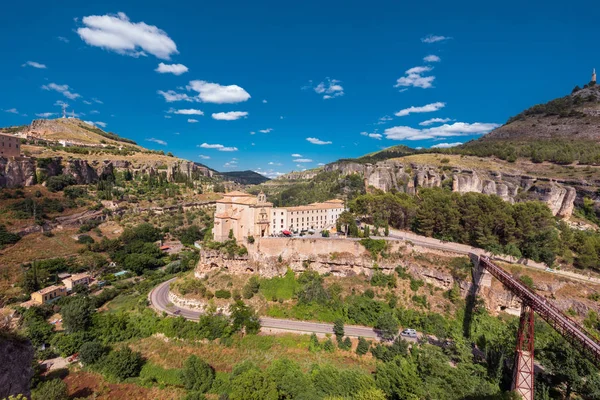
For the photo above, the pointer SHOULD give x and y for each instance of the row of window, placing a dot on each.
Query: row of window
(307, 212)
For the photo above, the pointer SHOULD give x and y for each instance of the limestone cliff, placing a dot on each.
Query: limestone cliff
(408, 177)
(16, 358)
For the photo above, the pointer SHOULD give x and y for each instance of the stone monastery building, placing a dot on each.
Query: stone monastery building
(248, 215)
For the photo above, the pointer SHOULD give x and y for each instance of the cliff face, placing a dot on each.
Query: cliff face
(16, 359)
(24, 171)
(407, 177)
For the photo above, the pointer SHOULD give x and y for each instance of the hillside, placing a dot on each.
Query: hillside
(245, 177)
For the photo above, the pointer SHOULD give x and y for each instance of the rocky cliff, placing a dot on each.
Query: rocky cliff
(26, 171)
(16, 358)
(408, 177)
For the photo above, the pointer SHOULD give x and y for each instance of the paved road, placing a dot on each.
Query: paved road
(159, 299)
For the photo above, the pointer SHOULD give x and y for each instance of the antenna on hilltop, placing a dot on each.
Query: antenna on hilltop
(64, 107)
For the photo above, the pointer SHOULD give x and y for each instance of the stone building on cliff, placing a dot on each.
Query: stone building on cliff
(248, 215)
(10, 146)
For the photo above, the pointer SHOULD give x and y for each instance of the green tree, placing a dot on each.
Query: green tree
(291, 381)
(338, 329)
(77, 314)
(91, 352)
(363, 346)
(244, 317)
(122, 364)
(251, 287)
(197, 375)
(328, 346)
(231, 236)
(39, 331)
(399, 380)
(388, 325)
(54, 389)
(313, 344)
(253, 384)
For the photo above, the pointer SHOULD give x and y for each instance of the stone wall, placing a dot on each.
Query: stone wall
(193, 304)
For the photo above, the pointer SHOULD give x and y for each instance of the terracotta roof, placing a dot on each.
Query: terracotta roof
(77, 277)
(50, 289)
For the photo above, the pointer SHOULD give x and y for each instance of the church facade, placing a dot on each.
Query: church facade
(246, 215)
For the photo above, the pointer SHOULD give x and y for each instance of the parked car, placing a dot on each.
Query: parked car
(177, 312)
(409, 332)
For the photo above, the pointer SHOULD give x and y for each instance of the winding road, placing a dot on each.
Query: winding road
(159, 299)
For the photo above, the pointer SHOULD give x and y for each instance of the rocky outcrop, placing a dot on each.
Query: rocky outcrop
(408, 177)
(16, 360)
(17, 172)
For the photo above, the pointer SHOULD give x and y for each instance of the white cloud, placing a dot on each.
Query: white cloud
(90, 123)
(270, 173)
(100, 123)
(34, 65)
(264, 101)
(274, 163)
(321, 164)
(384, 119)
(202, 156)
(61, 103)
(192, 120)
(303, 160)
(186, 111)
(229, 116)
(63, 39)
(268, 130)
(414, 77)
(94, 112)
(171, 96)
(45, 115)
(97, 101)
(426, 108)
(329, 88)
(434, 38)
(434, 121)
(446, 145)
(167, 116)
(230, 164)
(64, 89)
(432, 58)
(87, 102)
(214, 93)
(253, 133)
(117, 33)
(176, 133)
(175, 69)
(446, 130)
(12, 111)
(317, 141)
(372, 135)
(158, 141)
(219, 147)
(296, 155)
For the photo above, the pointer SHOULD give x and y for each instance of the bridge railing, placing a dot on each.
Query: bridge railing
(568, 328)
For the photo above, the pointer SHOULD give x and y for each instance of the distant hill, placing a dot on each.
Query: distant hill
(245, 177)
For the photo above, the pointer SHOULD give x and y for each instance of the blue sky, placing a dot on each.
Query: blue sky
(278, 86)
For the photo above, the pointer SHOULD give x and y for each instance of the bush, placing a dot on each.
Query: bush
(91, 352)
(197, 375)
(7, 237)
(363, 346)
(222, 294)
(54, 389)
(59, 182)
(527, 281)
(85, 239)
(122, 364)
(345, 344)
(328, 346)
(338, 329)
(77, 314)
(251, 287)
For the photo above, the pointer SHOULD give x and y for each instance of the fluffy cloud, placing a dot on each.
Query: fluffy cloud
(171, 96)
(270, 173)
(303, 160)
(446, 130)
(202, 156)
(274, 163)
(97, 101)
(215, 93)
(329, 88)
(296, 155)
(87, 102)
(219, 147)
(192, 120)
(186, 111)
(158, 141)
(231, 164)
(414, 78)
(377, 136)
(45, 115)
(64, 89)
(317, 141)
(63, 39)
(229, 116)
(434, 121)
(320, 164)
(432, 58)
(426, 108)
(100, 123)
(446, 145)
(268, 130)
(61, 103)
(434, 38)
(175, 69)
(34, 65)
(384, 120)
(12, 111)
(117, 33)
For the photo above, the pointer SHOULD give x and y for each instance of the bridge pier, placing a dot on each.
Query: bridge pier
(523, 372)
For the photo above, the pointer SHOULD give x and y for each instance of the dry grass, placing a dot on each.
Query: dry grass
(260, 349)
(39, 247)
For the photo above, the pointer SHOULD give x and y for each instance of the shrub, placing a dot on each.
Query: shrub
(54, 389)
(122, 364)
(223, 294)
(338, 329)
(363, 346)
(197, 375)
(527, 281)
(251, 287)
(345, 344)
(59, 182)
(328, 346)
(7, 237)
(251, 239)
(374, 246)
(85, 239)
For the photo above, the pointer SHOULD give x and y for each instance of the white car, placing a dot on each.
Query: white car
(409, 333)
